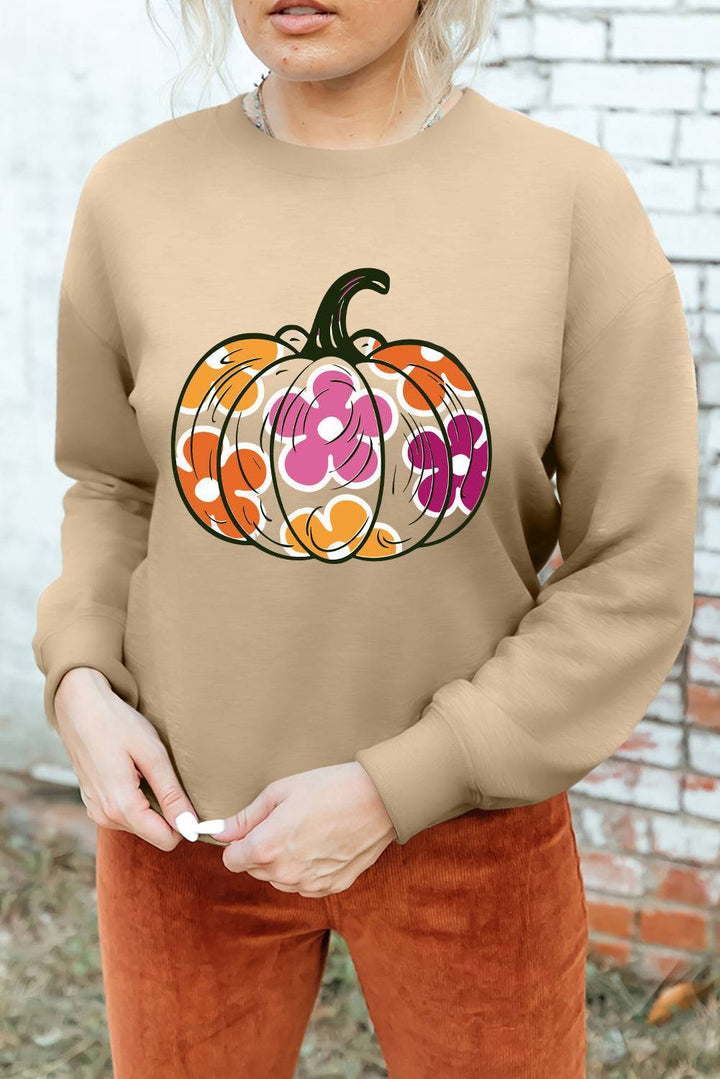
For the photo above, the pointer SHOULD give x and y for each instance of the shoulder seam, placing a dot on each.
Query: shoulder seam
(91, 329)
(598, 337)
(608, 325)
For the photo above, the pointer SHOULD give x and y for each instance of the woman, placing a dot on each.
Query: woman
(322, 349)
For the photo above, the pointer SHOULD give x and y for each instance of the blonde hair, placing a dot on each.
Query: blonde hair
(445, 33)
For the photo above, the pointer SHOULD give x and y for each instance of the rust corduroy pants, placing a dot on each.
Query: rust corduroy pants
(469, 942)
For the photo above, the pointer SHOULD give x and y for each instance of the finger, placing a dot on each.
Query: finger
(241, 823)
(126, 809)
(255, 851)
(276, 886)
(146, 823)
(154, 763)
(126, 805)
(306, 892)
(99, 818)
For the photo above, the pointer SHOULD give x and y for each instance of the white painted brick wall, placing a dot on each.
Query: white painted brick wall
(685, 840)
(704, 662)
(666, 187)
(699, 138)
(639, 77)
(650, 87)
(713, 278)
(711, 100)
(559, 37)
(654, 743)
(704, 752)
(679, 37)
(649, 136)
(707, 622)
(642, 79)
(668, 704)
(76, 78)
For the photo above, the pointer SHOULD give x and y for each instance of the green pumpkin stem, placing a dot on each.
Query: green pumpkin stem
(329, 335)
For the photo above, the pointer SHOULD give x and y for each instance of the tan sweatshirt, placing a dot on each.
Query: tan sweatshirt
(312, 402)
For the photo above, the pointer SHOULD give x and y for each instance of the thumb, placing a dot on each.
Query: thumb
(155, 765)
(239, 824)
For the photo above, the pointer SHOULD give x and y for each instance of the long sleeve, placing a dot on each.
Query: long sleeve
(81, 614)
(564, 691)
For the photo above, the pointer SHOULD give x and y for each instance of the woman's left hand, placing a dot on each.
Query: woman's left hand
(313, 832)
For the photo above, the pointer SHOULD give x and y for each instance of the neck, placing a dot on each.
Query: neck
(365, 108)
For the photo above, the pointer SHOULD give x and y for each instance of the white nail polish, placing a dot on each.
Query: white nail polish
(210, 827)
(187, 825)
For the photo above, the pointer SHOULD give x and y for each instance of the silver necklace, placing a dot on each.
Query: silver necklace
(263, 124)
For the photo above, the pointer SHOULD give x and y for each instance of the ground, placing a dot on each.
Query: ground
(52, 1023)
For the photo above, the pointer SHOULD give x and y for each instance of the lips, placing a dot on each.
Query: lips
(311, 7)
(304, 18)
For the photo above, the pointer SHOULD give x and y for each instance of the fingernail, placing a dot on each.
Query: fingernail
(187, 825)
(210, 827)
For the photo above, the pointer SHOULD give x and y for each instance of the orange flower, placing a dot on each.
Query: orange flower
(339, 530)
(218, 382)
(435, 374)
(245, 474)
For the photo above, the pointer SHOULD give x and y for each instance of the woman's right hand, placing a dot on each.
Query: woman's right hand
(111, 747)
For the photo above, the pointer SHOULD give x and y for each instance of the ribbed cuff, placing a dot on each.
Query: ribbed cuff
(422, 775)
(89, 642)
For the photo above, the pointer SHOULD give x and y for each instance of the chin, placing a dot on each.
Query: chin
(301, 62)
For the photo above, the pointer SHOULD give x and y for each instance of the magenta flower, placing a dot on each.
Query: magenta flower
(463, 470)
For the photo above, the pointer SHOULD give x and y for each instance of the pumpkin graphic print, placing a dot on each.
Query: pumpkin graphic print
(330, 446)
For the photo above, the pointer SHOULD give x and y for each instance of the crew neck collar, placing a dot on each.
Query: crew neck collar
(424, 146)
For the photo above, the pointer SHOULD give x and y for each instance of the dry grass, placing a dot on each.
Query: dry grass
(623, 1046)
(51, 1003)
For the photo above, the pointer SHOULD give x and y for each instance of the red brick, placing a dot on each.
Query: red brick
(675, 928)
(616, 873)
(617, 919)
(703, 706)
(630, 831)
(682, 884)
(617, 950)
(706, 618)
(695, 782)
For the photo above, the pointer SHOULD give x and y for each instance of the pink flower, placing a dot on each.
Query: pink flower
(331, 430)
